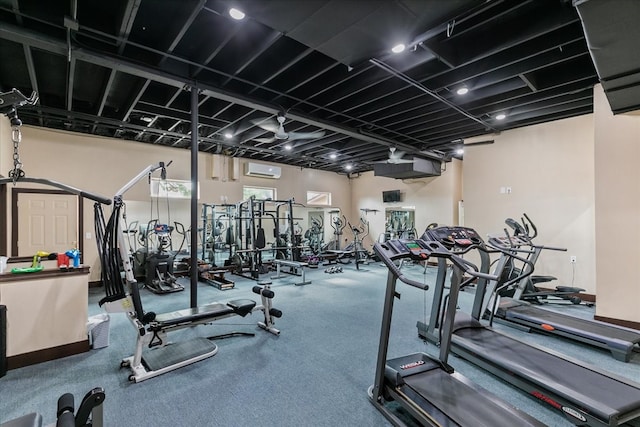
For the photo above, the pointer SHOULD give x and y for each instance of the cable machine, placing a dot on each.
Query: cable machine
(9, 104)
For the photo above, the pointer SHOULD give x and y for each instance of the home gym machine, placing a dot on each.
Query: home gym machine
(621, 342)
(218, 236)
(583, 394)
(218, 232)
(154, 354)
(250, 240)
(426, 387)
(88, 414)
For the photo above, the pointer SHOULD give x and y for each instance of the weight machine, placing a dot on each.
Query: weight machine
(154, 353)
(218, 231)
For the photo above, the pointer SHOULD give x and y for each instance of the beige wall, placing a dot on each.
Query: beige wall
(577, 178)
(435, 199)
(549, 168)
(103, 166)
(617, 195)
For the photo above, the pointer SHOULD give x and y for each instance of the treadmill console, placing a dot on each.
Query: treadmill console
(456, 239)
(416, 249)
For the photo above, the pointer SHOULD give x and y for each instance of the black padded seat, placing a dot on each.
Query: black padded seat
(29, 420)
(241, 307)
(542, 279)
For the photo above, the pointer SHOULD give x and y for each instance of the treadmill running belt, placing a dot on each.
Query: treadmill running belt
(597, 393)
(463, 404)
(558, 320)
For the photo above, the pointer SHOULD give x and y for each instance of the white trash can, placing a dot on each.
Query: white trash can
(98, 330)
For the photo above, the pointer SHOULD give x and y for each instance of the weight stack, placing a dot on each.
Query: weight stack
(3, 340)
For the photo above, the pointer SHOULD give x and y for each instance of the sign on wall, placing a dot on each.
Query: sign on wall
(171, 188)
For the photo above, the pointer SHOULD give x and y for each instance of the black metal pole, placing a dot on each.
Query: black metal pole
(193, 250)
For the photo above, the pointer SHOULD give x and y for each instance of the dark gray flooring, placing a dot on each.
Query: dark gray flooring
(316, 373)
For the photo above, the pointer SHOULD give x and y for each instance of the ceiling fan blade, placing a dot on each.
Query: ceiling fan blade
(264, 140)
(487, 142)
(305, 135)
(396, 154)
(398, 161)
(267, 124)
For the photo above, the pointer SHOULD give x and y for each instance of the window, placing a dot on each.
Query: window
(171, 188)
(261, 193)
(319, 198)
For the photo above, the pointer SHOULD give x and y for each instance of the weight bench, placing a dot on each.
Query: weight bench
(202, 314)
(295, 268)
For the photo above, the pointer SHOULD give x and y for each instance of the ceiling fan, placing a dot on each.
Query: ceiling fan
(396, 157)
(279, 134)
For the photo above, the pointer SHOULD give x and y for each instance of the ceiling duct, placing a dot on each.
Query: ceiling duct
(419, 168)
(612, 33)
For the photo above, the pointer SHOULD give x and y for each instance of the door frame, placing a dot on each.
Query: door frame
(14, 220)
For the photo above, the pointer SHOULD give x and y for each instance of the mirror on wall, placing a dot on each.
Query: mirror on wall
(399, 223)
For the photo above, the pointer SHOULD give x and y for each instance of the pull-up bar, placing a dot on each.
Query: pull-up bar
(68, 188)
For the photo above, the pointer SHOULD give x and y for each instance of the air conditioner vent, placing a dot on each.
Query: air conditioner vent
(262, 171)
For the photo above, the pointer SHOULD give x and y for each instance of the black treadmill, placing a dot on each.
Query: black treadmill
(514, 311)
(621, 342)
(427, 387)
(583, 393)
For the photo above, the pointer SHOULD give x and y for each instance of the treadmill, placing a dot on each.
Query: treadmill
(584, 394)
(620, 341)
(425, 386)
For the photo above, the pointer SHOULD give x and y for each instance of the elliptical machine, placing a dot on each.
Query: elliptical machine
(529, 291)
(360, 254)
(156, 265)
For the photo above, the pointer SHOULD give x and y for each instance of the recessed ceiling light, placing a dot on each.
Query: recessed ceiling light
(228, 135)
(501, 116)
(146, 119)
(463, 90)
(460, 151)
(288, 147)
(348, 167)
(333, 156)
(398, 48)
(236, 14)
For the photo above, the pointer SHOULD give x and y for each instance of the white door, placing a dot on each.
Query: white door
(47, 222)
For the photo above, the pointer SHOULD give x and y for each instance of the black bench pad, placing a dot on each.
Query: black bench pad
(241, 307)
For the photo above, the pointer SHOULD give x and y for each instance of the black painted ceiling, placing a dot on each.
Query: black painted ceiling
(124, 69)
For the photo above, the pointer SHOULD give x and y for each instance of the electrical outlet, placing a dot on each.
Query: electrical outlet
(573, 259)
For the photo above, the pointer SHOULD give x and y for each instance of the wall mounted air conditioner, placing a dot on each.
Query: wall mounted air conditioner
(262, 171)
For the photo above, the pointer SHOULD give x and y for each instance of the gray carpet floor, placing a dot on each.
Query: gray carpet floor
(316, 373)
